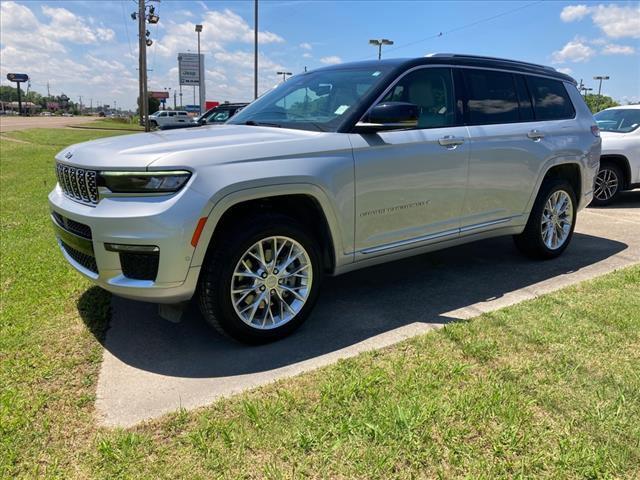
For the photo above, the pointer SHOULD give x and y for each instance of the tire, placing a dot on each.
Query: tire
(533, 241)
(224, 266)
(153, 124)
(608, 184)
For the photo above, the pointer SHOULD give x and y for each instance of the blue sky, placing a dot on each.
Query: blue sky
(89, 48)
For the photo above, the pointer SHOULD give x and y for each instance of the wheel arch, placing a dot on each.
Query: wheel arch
(571, 170)
(622, 162)
(305, 202)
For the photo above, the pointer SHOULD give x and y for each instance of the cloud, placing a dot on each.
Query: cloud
(305, 46)
(615, 21)
(331, 60)
(306, 55)
(219, 29)
(576, 50)
(613, 49)
(574, 12)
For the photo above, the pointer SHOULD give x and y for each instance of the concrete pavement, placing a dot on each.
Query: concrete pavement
(9, 123)
(152, 366)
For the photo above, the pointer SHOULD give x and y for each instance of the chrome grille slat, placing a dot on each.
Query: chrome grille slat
(78, 183)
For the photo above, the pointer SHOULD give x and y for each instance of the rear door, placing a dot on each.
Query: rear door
(507, 148)
(410, 184)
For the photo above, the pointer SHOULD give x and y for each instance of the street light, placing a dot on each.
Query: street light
(198, 30)
(379, 43)
(600, 78)
(284, 75)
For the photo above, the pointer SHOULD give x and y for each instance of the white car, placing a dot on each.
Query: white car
(620, 159)
(164, 118)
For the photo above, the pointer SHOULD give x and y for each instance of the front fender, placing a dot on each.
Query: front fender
(253, 190)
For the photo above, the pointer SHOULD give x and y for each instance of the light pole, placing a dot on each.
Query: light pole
(600, 78)
(255, 49)
(200, 79)
(284, 75)
(379, 43)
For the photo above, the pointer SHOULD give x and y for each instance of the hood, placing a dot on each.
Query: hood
(138, 151)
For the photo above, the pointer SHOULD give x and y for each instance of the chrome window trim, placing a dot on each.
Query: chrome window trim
(444, 65)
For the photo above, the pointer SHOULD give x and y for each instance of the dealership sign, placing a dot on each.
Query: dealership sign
(189, 68)
(159, 95)
(17, 77)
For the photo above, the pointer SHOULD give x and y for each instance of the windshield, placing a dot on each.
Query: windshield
(312, 101)
(621, 120)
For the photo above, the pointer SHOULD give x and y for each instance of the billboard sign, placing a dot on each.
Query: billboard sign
(188, 70)
(159, 95)
(17, 77)
(192, 108)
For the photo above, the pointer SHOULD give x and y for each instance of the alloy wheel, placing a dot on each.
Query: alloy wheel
(271, 282)
(557, 219)
(606, 184)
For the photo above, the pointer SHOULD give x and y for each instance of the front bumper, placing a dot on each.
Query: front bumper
(167, 222)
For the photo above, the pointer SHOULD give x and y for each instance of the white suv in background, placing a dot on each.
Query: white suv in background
(620, 159)
(163, 118)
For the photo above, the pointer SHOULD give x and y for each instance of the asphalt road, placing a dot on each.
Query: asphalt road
(152, 366)
(9, 123)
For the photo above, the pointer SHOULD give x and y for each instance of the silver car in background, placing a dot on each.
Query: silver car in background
(334, 170)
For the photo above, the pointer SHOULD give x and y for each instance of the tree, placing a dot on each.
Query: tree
(599, 102)
(154, 104)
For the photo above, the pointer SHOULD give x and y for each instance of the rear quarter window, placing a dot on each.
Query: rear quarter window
(550, 99)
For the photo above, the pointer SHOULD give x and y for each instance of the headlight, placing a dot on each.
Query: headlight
(144, 182)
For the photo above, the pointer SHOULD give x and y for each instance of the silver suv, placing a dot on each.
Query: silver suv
(336, 169)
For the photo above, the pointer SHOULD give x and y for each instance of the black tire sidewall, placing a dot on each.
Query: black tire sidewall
(220, 267)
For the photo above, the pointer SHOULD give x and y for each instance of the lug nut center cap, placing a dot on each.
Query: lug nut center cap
(271, 281)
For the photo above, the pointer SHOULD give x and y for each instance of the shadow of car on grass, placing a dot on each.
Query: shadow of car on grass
(351, 308)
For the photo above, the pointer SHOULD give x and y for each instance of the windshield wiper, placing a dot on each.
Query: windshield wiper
(262, 124)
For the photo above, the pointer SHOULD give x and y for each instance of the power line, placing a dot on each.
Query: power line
(468, 25)
(126, 28)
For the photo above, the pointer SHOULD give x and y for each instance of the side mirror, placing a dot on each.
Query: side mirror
(390, 116)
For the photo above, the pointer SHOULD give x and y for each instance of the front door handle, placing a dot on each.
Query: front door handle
(535, 135)
(450, 141)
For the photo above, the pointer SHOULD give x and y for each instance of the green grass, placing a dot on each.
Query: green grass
(113, 123)
(548, 388)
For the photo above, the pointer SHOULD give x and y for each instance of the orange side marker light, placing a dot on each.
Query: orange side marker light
(198, 231)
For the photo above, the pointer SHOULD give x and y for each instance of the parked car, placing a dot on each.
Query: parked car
(220, 114)
(166, 118)
(336, 169)
(620, 159)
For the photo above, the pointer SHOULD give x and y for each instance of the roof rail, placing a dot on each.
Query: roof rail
(480, 57)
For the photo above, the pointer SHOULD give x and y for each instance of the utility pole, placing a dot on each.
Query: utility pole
(201, 85)
(142, 49)
(91, 105)
(600, 78)
(80, 104)
(174, 99)
(48, 91)
(255, 49)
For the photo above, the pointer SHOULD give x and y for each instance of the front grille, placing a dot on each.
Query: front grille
(87, 261)
(139, 266)
(72, 226)
(78, 183)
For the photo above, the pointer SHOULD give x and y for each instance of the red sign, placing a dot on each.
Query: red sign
(159, 95)
(209, 104)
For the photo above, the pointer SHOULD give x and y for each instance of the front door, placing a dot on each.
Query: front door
(410, 184)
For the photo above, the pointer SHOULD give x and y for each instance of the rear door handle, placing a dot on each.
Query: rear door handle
(450, 141)
(535, 135)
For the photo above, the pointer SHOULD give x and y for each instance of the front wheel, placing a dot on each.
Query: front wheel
(260, 282)
(551, 221)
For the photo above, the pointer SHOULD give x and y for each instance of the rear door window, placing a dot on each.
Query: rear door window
(491, 97)
(550, 99)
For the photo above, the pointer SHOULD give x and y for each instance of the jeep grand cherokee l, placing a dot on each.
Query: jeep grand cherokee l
(334, 170)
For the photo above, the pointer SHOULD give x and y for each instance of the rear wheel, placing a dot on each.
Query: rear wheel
(551, 221)
(261, 280)
(607, 185)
